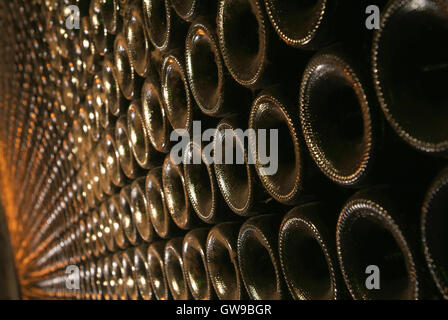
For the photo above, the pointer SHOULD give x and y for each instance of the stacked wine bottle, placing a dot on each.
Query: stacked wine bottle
(92, 93)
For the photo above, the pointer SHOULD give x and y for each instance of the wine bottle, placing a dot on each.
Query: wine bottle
(222, 261)
(94, 290)
(308, 254)
(99, 280)
(94, 177)
(237, 180)
(191, 9)
(99, 241)
(155, 116)
(63, 36)
(288, 176)
(99, 101)
(409, 65)
(106, 227)
(174, 269)
(87, 282)
(176, 95)
(127, 77)
(258, 258)
(142, 274)
(85, 240)
(101, 39)
(81, 128)
(339, 118)
(116, 222)
(118, 282)
(77, 243)
(433, 224)
(195, 264)
(89, 54)
(201, 185)
(110, 276)
(86, 78)
(81, 195)
(251, 50)
(165, 29)
(127, 160)
(107, 273)
(106, 185)
(176, 196)
(160, 217)
(214, 91)
(84, 283)
(125, 215)
(313, 17)
(157, 275)
(113, 97)
(141, 146)
(111, 163)
(128, 274)
(70, 97)
(140, 211)
(378, 252)
(110, 13)
(137, 39)
(92, 113)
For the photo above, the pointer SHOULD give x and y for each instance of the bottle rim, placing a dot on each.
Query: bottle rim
(205, 213)
(180, 215)
(158, 213)
(172, 65)
(400, 127)
(303, 39)
(349, 78)
(296, 223)
(217, 237)
(204, 31)
(156, 269)
(250, 231)
(251, 80)
(359, 209)
(438, 188)
(259, 106)
(173, 255)
(193, 248)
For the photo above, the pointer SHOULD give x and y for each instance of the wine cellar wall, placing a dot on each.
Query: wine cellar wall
(225, 149)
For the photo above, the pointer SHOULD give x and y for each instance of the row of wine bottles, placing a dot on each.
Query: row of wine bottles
(408, 62)
(306, 254)
(241, 45)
